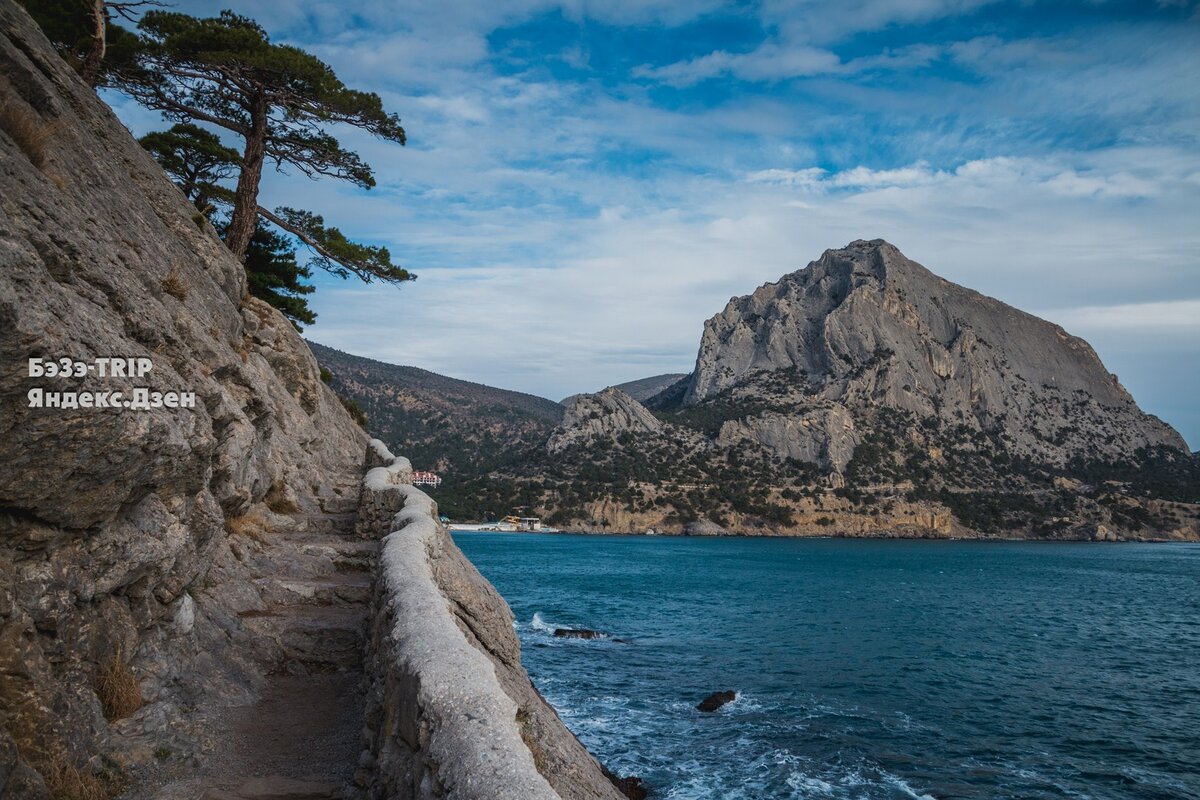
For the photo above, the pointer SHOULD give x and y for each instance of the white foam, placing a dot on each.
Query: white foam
(539, 624)
(900, 784)
(809, 785)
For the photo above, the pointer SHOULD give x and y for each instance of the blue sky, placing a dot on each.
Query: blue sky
(586, 183)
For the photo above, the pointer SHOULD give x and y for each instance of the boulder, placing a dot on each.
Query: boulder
(703, 527)
(632, 787)
(716, 700)
(579, 633)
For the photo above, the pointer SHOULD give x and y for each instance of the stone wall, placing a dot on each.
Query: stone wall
(451, 712)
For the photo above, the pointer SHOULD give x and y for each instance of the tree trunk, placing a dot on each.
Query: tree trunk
(245, 197)
(95, 57)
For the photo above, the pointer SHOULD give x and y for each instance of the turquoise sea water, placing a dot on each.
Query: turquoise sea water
(867, 669)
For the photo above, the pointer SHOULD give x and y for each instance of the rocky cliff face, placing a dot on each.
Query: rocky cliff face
(864, 327)
(864, 395)
(115, 557)
(607, 414)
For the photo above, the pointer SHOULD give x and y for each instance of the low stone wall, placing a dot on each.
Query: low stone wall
(450, 710)
(378, 504)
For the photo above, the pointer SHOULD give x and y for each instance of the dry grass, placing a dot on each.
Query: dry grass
(174, 286)
(27, 129)
(65, 781)
(117, 687)
(246, 526)
(278, 501)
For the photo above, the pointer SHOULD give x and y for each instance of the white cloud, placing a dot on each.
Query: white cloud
(918, 174)
(810, 176)
(570, 235)
(772, 61)
(1073, 184)
(1162, 317)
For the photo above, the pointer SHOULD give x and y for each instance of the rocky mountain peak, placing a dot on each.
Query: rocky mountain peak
(864, 327)
(606, 414)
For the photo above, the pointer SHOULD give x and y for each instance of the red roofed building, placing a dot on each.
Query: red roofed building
(420, 478)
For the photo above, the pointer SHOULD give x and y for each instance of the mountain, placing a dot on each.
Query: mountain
(464, 431)
(866, 327)
(643, 388)
(864, 394)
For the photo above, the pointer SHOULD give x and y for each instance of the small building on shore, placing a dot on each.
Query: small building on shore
(423, 478)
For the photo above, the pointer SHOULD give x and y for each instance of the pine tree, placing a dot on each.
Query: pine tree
(83, 32)
(273, 275)
(196, 160)
(278, 99)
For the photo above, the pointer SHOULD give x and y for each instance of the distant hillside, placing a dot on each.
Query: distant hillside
(460, 429)
(643, 388)
(864, 395)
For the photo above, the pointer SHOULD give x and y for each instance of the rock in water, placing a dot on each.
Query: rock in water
(716, 700)
(632, 787)
(579, 633)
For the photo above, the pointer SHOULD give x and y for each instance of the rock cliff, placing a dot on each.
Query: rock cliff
(864, 395)
(607, 414)
(864, 327)
(451, 712)
(120, 592)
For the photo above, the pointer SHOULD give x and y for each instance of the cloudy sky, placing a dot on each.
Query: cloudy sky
(586, 182)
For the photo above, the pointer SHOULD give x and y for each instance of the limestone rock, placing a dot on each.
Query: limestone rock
(114, 533)
(449, 704)
(865, 327)
(825, 436)
(703, 527)
(604, 415)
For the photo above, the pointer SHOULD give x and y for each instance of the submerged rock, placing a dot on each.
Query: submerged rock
(716, 700)
(632, 787)
(585, 633)
(579, 633)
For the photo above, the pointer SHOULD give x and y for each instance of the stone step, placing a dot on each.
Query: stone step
(340, 521)
(314, 635)
(277, 787)
(346, 555)
(339, 588)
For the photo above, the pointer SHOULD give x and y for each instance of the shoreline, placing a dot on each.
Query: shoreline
(864, 537)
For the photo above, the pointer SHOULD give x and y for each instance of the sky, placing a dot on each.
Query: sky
(585, 183)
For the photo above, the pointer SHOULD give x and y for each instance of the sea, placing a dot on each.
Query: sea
(866, 668)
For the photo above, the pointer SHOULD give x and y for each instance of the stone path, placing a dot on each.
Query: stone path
(301, 739)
